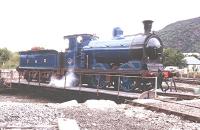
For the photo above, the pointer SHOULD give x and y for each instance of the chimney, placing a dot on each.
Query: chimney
(147, 26)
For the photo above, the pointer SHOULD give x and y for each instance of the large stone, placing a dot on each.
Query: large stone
(67, 124)
(147, 95)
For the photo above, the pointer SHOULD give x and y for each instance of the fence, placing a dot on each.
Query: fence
(119, 84)
(8, 75)
(190, 75)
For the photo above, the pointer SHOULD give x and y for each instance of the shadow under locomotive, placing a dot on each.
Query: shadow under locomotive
(124, 63)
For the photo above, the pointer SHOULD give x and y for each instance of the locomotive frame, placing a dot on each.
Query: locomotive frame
(127, 66)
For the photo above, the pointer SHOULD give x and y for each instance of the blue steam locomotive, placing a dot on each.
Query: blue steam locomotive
(123, 61)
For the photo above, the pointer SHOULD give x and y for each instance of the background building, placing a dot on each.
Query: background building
(193, 64)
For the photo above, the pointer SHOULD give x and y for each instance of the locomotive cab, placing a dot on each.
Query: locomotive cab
(75, 44)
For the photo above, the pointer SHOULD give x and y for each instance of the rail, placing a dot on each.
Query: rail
(188, 112)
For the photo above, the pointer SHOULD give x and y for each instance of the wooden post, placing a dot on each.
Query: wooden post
(156, 86)
(87, 60)
(39, 77)
(29, 76)
(11, 75)
(65, 80)
(174, 84)
(118, 86)
(97, 88)
(19, 77)
(80, 82)
(11, 78)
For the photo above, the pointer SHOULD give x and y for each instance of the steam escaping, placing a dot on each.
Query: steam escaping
(71, 80)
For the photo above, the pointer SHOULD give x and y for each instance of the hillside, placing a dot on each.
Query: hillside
(182, 35)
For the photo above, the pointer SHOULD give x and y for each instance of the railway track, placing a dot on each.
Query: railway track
(95, 93)
(81, 94)
(188, 112)
(188, 80)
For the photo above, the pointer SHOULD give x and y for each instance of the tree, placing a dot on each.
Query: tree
(4, 55)
(13, 62)
(173, 57)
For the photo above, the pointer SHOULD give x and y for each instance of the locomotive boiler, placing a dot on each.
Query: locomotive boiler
(122, 62)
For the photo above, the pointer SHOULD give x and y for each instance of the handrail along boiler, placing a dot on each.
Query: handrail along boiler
(100, 62)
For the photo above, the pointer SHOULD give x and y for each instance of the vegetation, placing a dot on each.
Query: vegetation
(173, 57)
(8, 59)
(4, 55)
(182, 35)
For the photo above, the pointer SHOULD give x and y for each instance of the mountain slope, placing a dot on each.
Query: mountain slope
(182, 35)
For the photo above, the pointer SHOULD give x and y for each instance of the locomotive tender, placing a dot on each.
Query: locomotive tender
(123, 61)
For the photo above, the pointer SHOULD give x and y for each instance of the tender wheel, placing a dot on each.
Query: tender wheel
(28, 77)
(127, 84)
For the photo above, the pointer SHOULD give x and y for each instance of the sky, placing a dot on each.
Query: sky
(28, 23)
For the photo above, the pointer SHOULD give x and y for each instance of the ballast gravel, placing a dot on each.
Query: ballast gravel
(89, 116)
